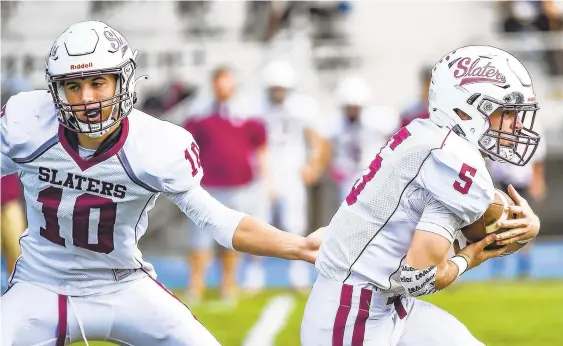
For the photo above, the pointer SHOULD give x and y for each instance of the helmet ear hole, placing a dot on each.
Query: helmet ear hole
(462, 115)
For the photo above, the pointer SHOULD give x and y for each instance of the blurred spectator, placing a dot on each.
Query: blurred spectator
(529, 181)
(360, 131)
(419, 109)
(230, 142)
(12, 219)
(537, 16)
(293, 122)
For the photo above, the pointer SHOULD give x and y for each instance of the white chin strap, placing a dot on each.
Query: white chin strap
(505, 153)
(94, 127)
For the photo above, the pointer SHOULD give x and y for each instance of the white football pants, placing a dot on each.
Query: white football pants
(339, 314)
(142, 313)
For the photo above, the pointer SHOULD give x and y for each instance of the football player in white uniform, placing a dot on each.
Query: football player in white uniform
(388, 243)
(92, 167)
(360, 130)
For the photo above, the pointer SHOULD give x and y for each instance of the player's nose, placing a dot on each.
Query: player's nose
(87, 94)
(517, 123)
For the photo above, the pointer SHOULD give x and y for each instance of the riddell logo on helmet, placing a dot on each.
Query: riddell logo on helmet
(475, 72)
(80, 66)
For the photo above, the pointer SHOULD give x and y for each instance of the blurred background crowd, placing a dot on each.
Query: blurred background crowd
(288, 102)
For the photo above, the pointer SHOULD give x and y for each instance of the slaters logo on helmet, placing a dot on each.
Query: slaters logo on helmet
(114, 38)
(53, 53)
(475, 71)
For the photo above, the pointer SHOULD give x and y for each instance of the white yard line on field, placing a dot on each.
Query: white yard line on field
(271, 321)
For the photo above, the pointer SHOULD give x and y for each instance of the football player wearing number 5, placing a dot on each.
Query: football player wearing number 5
(388, 243)
(92, 167)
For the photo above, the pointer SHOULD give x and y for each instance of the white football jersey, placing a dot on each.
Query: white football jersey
(425, 178)
(285, 126)
(85, 217)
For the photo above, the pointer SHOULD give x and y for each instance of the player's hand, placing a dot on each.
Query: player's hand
(312, 245)
(475, 253)
(526, 224)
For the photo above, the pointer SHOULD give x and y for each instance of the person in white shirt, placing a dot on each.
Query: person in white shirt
(360, 130)
(298, 151)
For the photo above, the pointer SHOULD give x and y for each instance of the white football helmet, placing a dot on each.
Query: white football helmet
(353, 91)
(279, 73)
(478, 80)
(88, 49)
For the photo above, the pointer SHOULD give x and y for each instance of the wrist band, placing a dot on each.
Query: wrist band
(461, 264)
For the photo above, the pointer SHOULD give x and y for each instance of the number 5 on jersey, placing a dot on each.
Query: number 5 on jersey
(465, 174)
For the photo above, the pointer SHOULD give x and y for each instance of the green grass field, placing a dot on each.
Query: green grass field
(498, 314)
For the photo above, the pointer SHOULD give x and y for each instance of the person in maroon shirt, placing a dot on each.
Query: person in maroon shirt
(419, 109)
(231, 147)
(13, 219)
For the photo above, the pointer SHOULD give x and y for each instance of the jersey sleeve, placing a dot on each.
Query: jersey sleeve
(176, 163)
(8, 166)
(209, 214)
(458, 178)
(437, 218)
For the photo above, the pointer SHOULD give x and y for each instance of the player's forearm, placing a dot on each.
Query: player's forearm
(446, 275)
(259, 238)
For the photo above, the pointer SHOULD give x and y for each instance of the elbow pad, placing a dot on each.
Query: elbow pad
(418, 282)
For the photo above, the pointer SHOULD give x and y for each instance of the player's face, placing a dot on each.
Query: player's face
(224, 86)
(507, 122)
(91, 89)
(277, 94)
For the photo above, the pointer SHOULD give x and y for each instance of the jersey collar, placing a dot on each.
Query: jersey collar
(113, 146)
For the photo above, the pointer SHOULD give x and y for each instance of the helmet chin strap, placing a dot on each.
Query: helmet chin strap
(98, 134)
(505, 153)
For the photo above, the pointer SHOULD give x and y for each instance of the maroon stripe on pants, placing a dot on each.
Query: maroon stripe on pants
(363, 314)
(342, 315)
(61, 327)
(400, 308)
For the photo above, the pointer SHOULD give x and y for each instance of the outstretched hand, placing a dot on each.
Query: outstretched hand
(312, 245)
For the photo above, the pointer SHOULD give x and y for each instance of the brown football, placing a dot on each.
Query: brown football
(487, 224)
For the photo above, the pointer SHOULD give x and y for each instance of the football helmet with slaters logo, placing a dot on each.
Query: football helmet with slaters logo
(85, 50)
(471, 83)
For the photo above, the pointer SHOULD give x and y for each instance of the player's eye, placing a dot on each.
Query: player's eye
(72, 87)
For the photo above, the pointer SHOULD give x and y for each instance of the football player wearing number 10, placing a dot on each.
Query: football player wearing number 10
(92, 167)
(388, 243)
